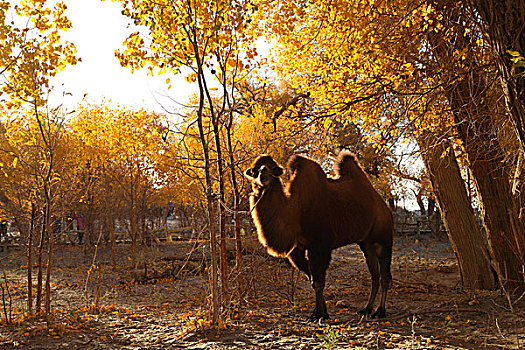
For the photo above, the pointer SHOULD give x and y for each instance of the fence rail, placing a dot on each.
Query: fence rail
(405, 223)
(409, 224)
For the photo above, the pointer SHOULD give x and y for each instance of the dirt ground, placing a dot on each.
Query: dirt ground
(164, 304)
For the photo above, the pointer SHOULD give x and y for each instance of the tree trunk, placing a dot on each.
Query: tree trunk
(499, 220)
(30, 260)
(143, 226)
(503, 24)
(491, 179)
(236, 216)
(50, 246)
(222, 214)
(111, 228)
(40, 266)
(209, 217)
(431, 206)
(457, 214)
(419, 200)
(133, 224)
(215, 304)
(476, 121)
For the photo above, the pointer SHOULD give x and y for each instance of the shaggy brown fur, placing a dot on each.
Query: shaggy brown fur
(313, 214)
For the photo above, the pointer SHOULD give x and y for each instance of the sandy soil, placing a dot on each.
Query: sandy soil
(163, 305)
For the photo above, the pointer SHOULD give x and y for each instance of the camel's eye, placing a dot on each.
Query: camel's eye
(249, 173)
(261, 170)
(255, 172)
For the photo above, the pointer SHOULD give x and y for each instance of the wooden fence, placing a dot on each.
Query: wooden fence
(408, 223)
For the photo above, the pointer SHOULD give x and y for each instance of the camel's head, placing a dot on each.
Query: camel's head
(264, 172)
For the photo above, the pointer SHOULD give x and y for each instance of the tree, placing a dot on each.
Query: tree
(451, 195)
(34, 155)
(472, 100)
(126, 146)
(29, 56)
(195, 36)
(502, 23)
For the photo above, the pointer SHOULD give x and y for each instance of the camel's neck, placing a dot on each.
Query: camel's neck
(276, 220)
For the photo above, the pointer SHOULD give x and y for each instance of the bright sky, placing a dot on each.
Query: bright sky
(98, 30)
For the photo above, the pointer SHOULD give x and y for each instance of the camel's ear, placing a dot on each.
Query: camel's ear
(277, 171)
(248, 173)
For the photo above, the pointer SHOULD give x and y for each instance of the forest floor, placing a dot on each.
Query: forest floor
(164, 305)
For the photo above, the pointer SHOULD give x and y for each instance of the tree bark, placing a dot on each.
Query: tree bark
(504, 26)
(133, 222)
(475, 115)
(492, 180)
(209, 218)
(30, 260)
(222, 214)
(215, 299)
(111, 229)
(457, 213)
(51, 245)
(236, 216)
(42, 240)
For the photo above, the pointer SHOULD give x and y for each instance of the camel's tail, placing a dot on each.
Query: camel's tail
(347, 164)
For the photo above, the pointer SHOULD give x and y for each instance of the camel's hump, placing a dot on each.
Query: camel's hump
(296, 162)
(346, 164)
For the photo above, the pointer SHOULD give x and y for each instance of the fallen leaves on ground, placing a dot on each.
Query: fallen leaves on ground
(426, 307)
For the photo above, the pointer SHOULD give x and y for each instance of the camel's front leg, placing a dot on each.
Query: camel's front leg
(318, 261)
(298, 259)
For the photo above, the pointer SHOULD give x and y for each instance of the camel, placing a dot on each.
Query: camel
(313, 214)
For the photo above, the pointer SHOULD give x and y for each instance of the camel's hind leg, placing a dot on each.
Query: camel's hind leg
(384, 253)
(373, 266)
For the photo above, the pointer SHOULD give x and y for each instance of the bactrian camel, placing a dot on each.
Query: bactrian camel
(313, 214)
